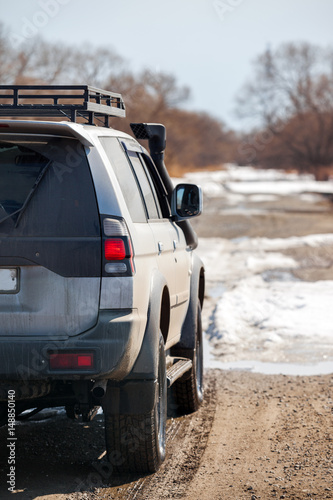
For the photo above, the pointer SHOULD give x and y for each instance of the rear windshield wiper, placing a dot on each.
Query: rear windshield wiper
(28, 198)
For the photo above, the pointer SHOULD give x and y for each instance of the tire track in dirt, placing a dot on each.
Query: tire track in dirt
(58, 459)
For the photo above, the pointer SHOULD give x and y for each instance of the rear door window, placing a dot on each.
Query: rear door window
(146, 185)
(126, 178)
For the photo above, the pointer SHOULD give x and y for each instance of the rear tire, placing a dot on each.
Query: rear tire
(136, 443)
(189, 392)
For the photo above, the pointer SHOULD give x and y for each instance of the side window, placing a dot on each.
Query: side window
(157, 184)
(126, 178)
(146, 186)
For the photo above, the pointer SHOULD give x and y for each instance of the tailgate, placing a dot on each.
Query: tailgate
(50, 243)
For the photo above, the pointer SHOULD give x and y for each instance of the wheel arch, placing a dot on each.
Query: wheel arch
(197, 293)
(158, 320)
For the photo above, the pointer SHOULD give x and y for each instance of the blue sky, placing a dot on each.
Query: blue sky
(207, 44)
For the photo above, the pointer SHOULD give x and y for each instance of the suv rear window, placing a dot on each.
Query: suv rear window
(46, 188)
(21, 169)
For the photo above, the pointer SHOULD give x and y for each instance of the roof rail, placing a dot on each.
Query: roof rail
(71, 101)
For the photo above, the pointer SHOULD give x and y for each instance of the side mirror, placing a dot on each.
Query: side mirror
(186, 201)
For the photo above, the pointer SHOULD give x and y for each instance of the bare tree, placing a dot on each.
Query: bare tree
(164, 88)
(292, 96)
(7, 57)
(195, 140)
(95, 65)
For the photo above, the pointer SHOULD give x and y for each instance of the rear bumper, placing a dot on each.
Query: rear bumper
(115, 342)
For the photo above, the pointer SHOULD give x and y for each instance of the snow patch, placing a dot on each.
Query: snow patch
(256, 309)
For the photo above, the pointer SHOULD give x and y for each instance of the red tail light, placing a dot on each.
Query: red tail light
(114, 249)
(118, 252)
(71, 361)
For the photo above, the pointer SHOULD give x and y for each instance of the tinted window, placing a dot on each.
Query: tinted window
(161, 194)
(126, 178)
(20, 170)
(146, 186)
(46, 189)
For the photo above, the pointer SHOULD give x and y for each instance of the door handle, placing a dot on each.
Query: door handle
(160, 247)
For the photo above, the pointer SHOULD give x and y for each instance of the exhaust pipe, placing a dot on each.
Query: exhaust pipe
(99, 389)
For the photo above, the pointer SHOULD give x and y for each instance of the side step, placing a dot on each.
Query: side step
(176, 368)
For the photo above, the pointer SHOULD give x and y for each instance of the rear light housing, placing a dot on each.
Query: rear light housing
(117, 248)
(71, 361)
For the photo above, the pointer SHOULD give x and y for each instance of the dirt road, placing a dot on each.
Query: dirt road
(256, 436)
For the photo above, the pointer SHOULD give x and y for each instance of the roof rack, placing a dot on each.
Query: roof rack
(71, 101)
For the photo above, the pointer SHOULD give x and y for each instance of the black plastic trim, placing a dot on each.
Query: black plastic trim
(68, 257)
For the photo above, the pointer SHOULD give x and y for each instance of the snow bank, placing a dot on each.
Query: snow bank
(250, 181)
(257, 309)
(281, 188)
(276, 311)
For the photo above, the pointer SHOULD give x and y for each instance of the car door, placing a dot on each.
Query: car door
(161, 227)
(174, 257)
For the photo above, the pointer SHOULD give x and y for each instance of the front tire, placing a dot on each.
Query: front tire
(136, 443)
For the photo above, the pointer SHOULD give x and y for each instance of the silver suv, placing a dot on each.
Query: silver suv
(100, 290)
